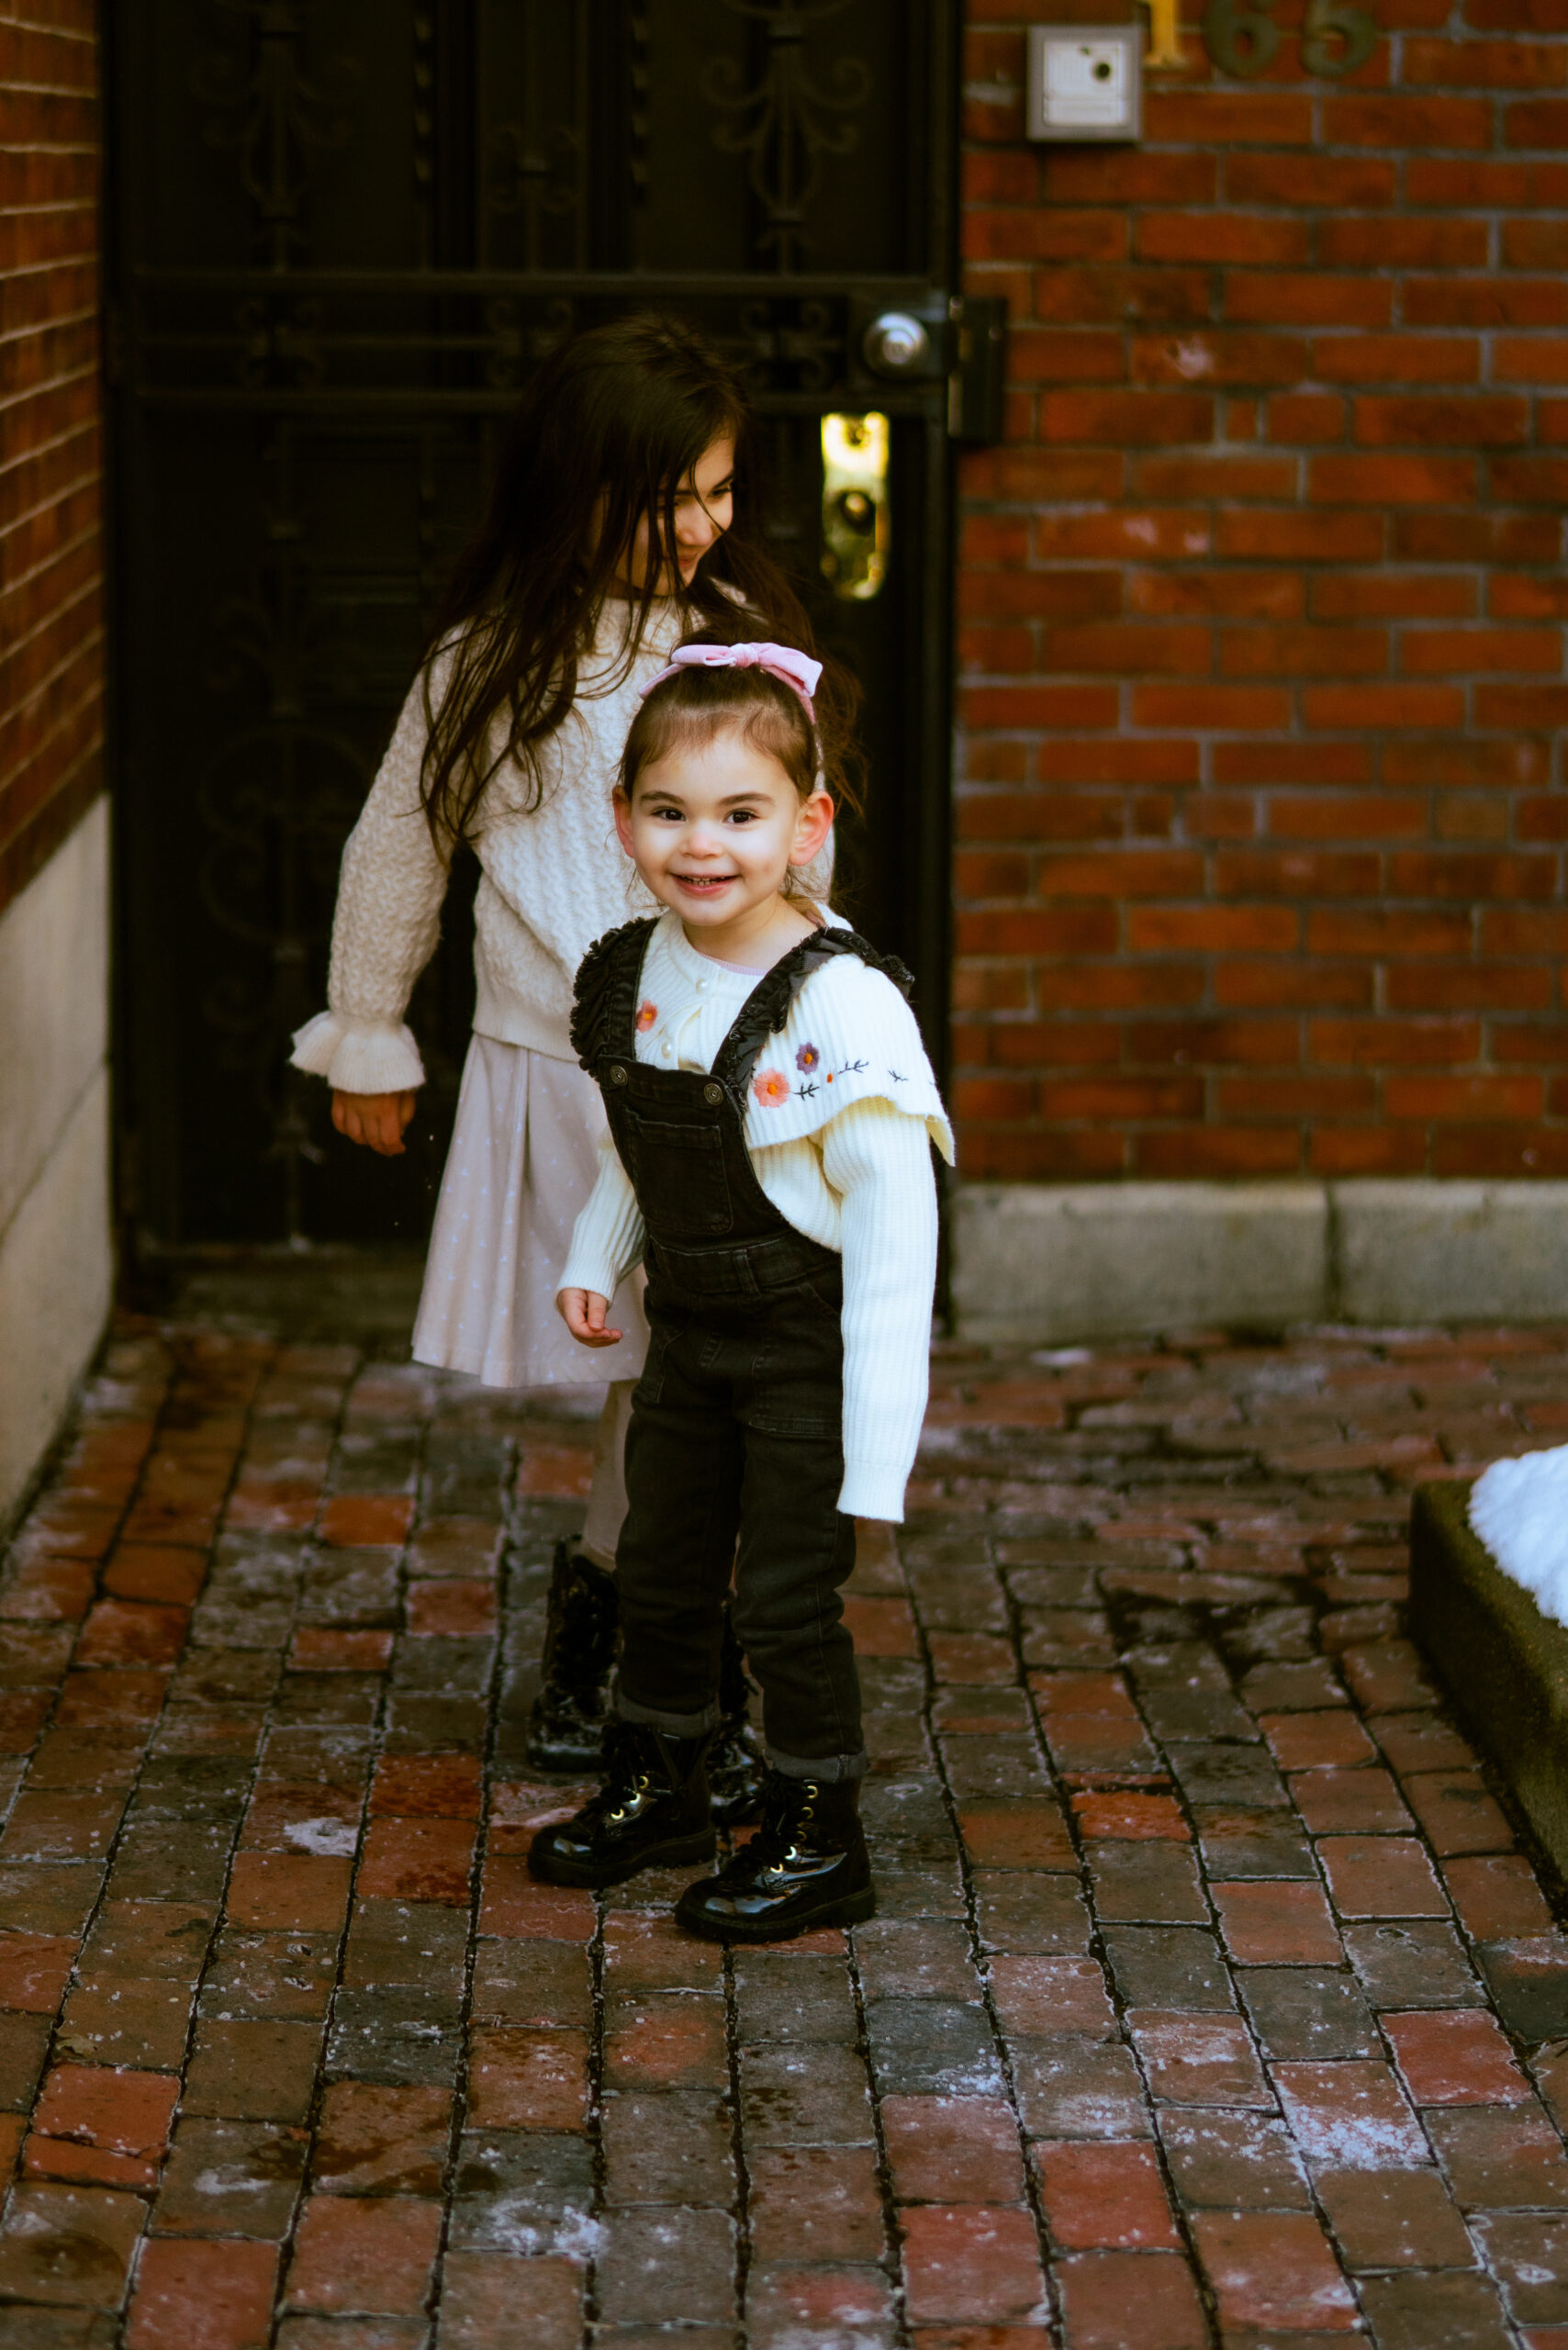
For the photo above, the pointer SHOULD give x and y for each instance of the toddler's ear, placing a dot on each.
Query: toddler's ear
(812, 826)
(621, 808)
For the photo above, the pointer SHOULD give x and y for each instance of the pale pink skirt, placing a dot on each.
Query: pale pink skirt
(523, 1159)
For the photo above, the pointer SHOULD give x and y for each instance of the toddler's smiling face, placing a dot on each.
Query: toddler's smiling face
(713, 829)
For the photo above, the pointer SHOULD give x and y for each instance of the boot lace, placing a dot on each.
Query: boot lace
(626, 1786)
(788, 1810)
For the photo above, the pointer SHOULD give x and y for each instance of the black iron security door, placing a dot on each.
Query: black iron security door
(344, 229)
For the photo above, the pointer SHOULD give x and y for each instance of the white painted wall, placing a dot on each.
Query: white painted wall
(56, 1253)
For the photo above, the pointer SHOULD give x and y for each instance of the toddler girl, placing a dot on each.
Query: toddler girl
(609, 536)
(769, 1105)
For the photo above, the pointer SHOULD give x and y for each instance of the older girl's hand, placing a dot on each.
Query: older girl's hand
(377, 1120)
(583, 1312)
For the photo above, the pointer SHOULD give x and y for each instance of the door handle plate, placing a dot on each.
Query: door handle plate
(855, 532)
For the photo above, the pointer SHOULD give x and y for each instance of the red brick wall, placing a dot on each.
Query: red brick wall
(1260, 816)
(50, 627)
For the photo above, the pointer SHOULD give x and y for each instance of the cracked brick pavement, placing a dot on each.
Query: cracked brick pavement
(1210, 2001)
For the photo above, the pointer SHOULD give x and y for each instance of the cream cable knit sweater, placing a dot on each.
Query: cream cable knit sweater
(850, 1168)
(553, 880)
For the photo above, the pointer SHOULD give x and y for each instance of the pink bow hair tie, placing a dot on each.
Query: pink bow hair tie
(794, 669)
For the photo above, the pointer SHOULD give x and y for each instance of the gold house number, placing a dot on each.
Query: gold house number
(1164, 33)
(1241, 36)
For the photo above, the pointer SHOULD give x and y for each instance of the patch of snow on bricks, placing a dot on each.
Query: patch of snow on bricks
(331, 1839)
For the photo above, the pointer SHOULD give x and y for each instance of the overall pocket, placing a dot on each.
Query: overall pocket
(678, 1171)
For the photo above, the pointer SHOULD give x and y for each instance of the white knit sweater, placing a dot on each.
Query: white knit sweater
(842, 1104)
(553, 880)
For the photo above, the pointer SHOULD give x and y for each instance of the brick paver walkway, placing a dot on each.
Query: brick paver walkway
(1209, 1999)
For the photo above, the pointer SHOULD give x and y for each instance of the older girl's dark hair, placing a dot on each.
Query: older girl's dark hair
(696, 703)
(610, 425)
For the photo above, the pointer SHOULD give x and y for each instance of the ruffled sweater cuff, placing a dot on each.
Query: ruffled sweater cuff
(359, 1055)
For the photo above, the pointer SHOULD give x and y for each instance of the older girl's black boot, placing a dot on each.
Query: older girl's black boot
(806, 1866)
(652, 1812)
(565, 1728)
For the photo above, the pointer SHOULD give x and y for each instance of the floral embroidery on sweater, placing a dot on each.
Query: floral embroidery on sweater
(771, 1088)
(807, 1058)
(647, 1013)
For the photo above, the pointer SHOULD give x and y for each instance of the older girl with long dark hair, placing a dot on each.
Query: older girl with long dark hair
(623, 519)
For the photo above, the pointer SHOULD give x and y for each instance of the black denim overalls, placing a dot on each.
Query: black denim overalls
(737, 1421)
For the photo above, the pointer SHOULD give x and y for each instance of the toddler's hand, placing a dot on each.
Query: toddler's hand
(583, 1312)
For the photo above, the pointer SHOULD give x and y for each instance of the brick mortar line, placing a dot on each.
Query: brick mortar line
(179, 1365)
(286, 2243)
(891, 2262)
(37, 760)
(741, 2204)
(86, 256)
(86, 432)
(84, 767)
(516, 1538)
(50, 739)
(1183, 2221)
(73, 379)
(88, 640)
(1056, 2314)
(456, 2126)
(257, 1764)
(39, 331)
(63, 495)
(48, 387)
(1180, 2216)
(595, 2132)
(56, 613)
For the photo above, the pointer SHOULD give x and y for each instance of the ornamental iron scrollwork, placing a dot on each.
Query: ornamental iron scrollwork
(274, 349)
(812, 345)
(535, 177)
(535, 169)
(274, 115)
(785, 121)
(513, 345)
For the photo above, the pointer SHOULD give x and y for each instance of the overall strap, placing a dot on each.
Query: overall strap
(766, 1008)
(603, 1001)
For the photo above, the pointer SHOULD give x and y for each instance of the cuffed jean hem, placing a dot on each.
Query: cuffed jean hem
(831, 1767)
(673, 1724)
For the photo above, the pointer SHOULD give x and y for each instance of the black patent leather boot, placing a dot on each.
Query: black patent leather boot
(652, 1812)
(736, 1771)
(806, 1866)
(565, 1727)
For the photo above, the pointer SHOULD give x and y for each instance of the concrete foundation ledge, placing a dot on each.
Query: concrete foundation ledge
(1045, 1263)
(1503, 1664)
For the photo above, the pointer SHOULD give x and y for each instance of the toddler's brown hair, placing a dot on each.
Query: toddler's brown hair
(694, 704)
